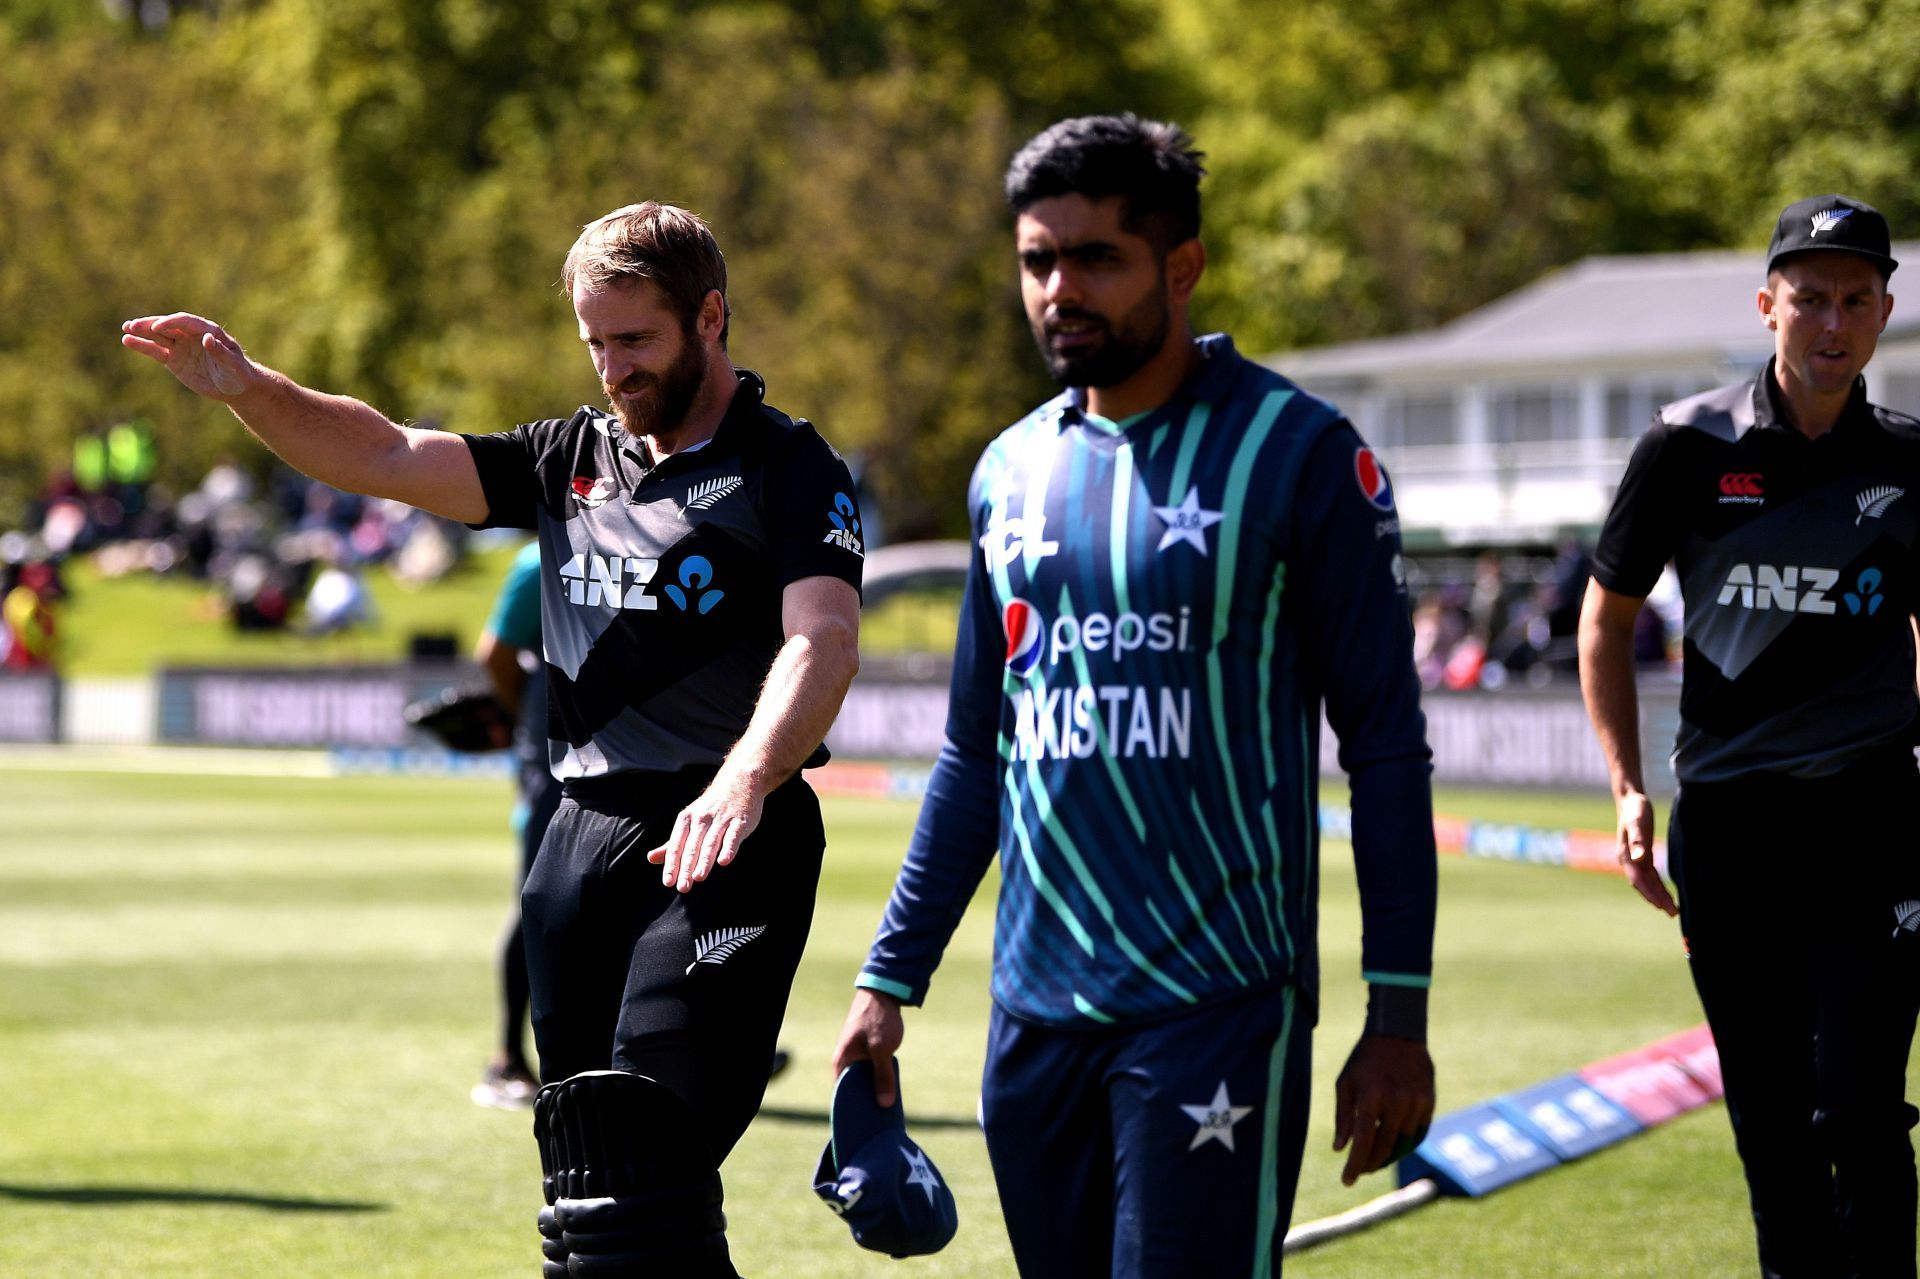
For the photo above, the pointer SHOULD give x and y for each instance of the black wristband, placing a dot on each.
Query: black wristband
(1399, 1011)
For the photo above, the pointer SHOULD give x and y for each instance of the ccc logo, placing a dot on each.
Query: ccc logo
(1742, 484)
(695, 588)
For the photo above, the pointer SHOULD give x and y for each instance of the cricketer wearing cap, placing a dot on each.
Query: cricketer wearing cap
(1178, 560)
(700, 560)
(1787, 504)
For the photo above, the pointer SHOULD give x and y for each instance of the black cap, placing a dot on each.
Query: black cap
(876, 1179)
(1832, 222)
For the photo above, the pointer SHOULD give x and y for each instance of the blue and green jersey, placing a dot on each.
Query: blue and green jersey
(1155, 613)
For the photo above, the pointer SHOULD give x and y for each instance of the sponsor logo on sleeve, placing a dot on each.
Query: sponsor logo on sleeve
(845, 530)
(1372, 478)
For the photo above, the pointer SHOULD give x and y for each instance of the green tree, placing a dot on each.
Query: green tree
(130, 179)
(1415, 208)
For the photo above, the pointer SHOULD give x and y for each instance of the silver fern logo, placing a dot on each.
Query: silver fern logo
(720, 945)
(1906, 917)
(708, 493)
(1830, 219)
(1874, 502)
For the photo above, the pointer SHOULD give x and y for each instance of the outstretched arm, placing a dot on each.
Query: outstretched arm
(1613, 704)
(335, 439)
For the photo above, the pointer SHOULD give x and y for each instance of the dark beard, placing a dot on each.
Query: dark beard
(660, 412)
(1138, 338)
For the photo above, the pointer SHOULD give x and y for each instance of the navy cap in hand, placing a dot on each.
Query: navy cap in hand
(876, 1179)
(1832, 222)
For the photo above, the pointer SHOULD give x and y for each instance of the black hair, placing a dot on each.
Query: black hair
(1151, 164)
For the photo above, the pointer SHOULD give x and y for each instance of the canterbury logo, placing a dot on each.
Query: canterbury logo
(1742, 484)
(718, 946)
(1875, 501)
(707, 493)
(1907, 917)
(1830, 219)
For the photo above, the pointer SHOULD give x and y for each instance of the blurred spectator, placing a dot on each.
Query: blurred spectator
(295, 547)
(30, 591)
(337, 601)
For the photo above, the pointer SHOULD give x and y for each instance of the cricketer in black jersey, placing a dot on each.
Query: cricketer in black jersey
(1787, 505)
(700, 557)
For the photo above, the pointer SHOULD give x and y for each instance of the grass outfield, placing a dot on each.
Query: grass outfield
(239, 1017)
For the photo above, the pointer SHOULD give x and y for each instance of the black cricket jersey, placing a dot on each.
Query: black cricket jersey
(661, 581)
(1797, 561)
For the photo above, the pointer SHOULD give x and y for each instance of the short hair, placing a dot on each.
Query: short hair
(652, 241)
(1151, 164)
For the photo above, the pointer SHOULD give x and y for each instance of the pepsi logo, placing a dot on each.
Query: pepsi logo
(1374, 485)
(1024, 635)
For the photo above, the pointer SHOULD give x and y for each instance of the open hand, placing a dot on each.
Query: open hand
(196, 351)
(709, 831)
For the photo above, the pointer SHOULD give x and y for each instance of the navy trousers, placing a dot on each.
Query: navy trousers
(1162, 1151)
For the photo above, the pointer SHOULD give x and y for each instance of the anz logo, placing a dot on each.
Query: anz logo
(1790, 589)
(845, 520)
(695, 589)
(620, 581)
(610, 581)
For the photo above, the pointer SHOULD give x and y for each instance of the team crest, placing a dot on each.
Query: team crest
(591, 492)
(1828, 219)
(1873, 502)
(1216, 1119)
(1188, 522)
(1372, 478)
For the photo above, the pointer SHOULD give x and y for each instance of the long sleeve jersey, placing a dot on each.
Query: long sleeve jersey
(1155, 611)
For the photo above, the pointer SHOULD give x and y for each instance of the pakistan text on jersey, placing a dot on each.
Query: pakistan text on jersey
(1117, 720)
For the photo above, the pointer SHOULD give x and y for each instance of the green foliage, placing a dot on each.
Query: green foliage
(132, 180)
(1417, 207)
(1817, 97)
(375, 195)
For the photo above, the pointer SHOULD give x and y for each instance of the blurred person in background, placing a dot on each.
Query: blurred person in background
(509, 651)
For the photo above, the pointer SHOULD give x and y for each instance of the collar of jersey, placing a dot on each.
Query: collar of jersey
(745, 403)
(1768, 417)
(1211, 381)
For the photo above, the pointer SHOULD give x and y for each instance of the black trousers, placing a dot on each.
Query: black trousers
(690, 989)
(1800, 900)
